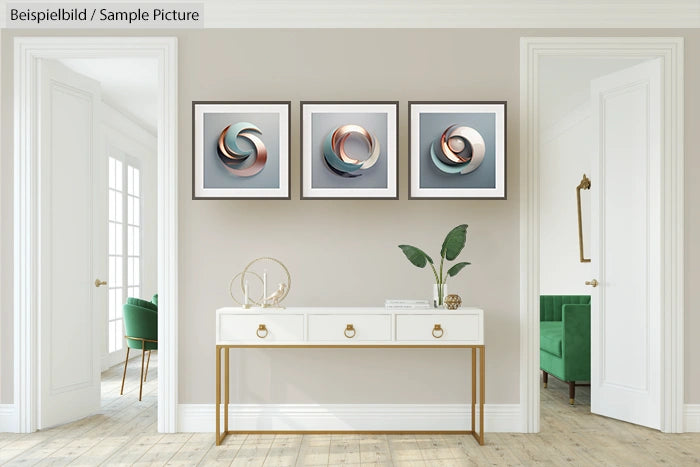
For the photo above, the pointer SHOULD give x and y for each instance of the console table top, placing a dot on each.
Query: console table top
(360, 310)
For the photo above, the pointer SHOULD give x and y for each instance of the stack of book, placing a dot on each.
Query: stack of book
(407, 304)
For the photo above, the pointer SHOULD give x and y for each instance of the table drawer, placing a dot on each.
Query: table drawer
(260, 329)
(350, 328)
(439, 328)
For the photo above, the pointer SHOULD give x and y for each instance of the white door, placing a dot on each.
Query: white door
(73, 225)
(625, 245)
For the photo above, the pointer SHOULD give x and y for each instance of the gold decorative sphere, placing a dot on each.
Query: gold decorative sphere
(453, 301)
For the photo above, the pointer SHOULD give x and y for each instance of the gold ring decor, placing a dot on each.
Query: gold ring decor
(349, 328)
(438, 328)
(233, 280)
(262, 328)
(260, 302)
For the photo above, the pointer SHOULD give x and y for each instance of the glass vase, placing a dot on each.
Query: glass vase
(439, 294)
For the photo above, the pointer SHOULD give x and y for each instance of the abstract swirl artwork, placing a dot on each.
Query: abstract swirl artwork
(240, 150)
(457, 150)
(349, 150)
(337, 157)
(233, 157)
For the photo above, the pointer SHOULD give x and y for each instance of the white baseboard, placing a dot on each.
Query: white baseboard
(8, 418)
(342, 417)
(692, 418)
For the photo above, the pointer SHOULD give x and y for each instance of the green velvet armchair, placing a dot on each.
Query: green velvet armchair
(565, 339)
(141, 327)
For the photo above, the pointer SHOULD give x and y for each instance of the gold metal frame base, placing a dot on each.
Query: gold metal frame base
(478, 435)
(351, 432)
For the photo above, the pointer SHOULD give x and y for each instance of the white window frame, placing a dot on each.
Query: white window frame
(127, 161)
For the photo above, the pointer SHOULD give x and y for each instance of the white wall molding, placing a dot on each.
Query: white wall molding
(359, 417)
(670, 50)
(692, 418)
(8, 418)
(27, 52)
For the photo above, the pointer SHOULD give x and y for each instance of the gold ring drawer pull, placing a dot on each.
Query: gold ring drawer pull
(438, 329)
(348, 329)
(262, 328)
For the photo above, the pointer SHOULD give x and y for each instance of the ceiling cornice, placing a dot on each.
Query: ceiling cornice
(453, 14)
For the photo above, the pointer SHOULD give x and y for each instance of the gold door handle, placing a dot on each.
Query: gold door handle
(349, 328)
(584, 185)
(99, 282)
(262, 328)
(592, 283)
(436, 329)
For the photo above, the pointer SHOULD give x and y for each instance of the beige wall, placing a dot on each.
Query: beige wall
(344, 252)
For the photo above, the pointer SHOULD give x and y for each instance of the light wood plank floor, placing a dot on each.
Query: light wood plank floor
(125, 433)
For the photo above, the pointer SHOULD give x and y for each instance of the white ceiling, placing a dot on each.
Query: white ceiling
(128, 84)
(438, 13)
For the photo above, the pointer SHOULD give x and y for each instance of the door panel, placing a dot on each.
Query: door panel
(70, 322)
(625, 249)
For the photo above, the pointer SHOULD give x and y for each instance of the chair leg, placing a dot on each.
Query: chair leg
(124, 376)
(148, 360)
(572, 392)
(143, 354)
(545, 378)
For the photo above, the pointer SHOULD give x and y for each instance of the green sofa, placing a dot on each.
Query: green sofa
(565, 339)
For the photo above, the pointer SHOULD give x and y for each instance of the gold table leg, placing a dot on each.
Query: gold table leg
(218, 395)
(473, 389)
(226, 390)
(482, 389)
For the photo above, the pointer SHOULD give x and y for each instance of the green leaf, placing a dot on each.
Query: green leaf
(454, 270)
(454, 242)
(416, 255)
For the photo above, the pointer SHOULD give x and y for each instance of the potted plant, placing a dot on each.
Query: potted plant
(451, 248)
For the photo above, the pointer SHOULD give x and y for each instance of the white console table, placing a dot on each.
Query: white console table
(328, 327)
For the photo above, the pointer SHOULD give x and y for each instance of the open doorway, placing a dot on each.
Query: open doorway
(657, 329)
(98, 117)
(72, 104)
(567, 135)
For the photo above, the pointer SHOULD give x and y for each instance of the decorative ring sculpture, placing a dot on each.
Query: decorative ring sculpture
(459, 150)
(233, 280)
(338, 159)
(276, 298)
(233, 157)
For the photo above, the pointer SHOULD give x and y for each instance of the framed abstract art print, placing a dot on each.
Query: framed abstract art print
(457, 150)
(240, 150)
(349, 150)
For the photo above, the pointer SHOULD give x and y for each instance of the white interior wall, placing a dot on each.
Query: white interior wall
(126, 135)
(565, 134)
(565, 153)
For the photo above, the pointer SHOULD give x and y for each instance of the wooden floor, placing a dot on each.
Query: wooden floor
(125, 433)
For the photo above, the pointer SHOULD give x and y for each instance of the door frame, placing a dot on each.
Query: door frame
(27, 223)
(670, 51)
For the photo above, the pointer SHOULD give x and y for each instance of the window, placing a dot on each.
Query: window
(124, 244)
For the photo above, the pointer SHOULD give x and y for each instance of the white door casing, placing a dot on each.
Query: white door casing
(626, 224)
(72, 208)
(671, 51)
(28, 51)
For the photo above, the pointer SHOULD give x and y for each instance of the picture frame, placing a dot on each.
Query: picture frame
(241, 150)
(349, 150)
(457, 150)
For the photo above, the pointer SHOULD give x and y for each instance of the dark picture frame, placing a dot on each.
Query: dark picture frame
(429, 122)
(340, 185)
(205, 154)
